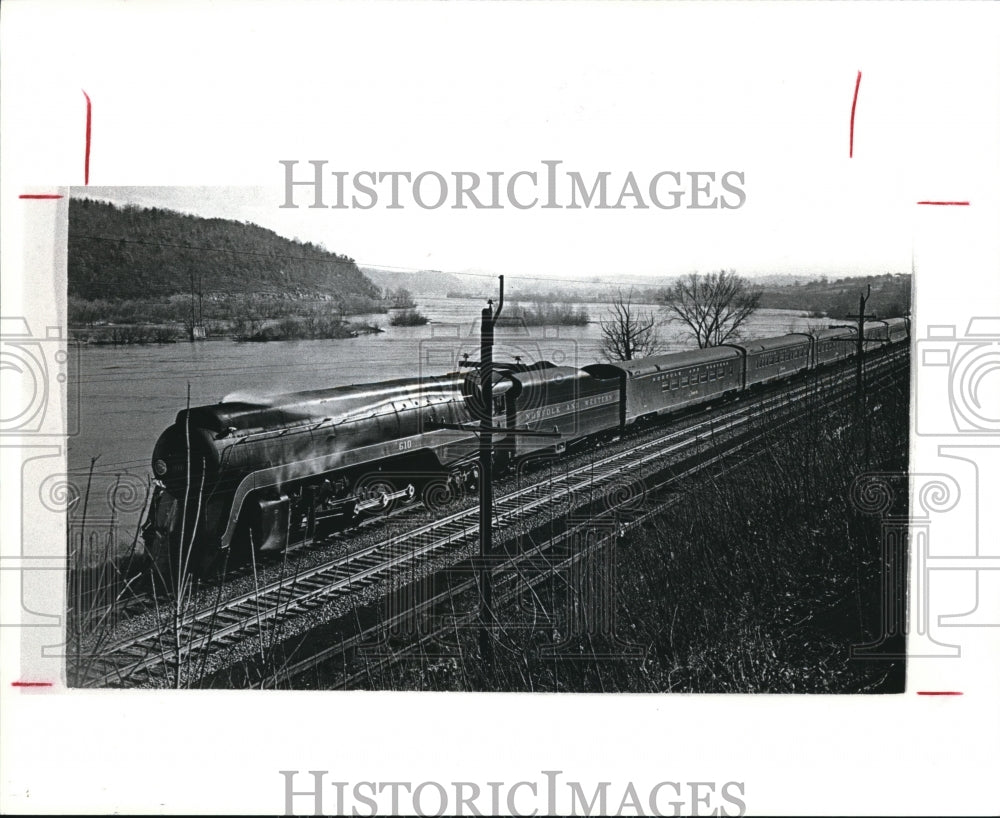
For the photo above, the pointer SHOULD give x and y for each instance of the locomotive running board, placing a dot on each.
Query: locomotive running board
(493, 430)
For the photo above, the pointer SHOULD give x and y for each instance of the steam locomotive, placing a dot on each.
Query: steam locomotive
(236, 476)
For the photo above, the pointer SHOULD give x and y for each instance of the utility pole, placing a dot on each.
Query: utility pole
(860, 364)
(485, 430)
(860, 370)
(487, 619)
(193, 322)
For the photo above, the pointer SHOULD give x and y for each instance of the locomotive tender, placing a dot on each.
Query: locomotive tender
(238, 475)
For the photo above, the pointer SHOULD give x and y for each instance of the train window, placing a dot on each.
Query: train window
(684, 379)
(704, 377)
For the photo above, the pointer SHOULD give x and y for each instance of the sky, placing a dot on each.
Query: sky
(657, 88)
(192, 102)
(554, 245)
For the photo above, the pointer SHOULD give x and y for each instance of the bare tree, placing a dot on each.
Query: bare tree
(713, 307)
(628, 333)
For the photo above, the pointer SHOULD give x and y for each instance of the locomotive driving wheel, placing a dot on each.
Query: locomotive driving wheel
(377, 489)
(438, 493)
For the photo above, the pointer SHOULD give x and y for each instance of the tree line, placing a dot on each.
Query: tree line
(140, 253)
(713, 309)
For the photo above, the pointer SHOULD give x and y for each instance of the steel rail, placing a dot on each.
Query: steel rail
(244, 615)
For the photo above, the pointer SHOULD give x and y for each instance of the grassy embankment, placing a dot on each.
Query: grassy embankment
(758, 577)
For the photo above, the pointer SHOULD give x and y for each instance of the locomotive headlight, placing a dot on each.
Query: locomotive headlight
(159, 468)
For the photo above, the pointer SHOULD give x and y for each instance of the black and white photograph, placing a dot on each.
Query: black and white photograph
(287, 475)
(499, 408)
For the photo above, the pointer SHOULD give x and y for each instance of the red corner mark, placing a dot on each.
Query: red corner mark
(86, 165)
(86, 155)
(939, 692)
(31, 684)
(966, 204)
(854, 106)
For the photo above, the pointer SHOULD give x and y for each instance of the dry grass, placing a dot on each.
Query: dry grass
(758, 578)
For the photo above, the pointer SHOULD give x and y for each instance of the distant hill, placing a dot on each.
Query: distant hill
(595, 289)
(484, 285)
(421, 282)
(136, 252)
(835, 298)
(890, 297)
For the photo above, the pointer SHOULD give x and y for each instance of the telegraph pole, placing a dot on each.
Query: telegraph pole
(860, 364)
(484, 431)
(860, 370)
(487, 619)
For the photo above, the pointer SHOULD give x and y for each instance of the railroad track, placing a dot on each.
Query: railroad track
(529, 568)
(158, 654)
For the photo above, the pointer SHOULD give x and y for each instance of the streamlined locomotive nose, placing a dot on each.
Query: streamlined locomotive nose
(185, 453)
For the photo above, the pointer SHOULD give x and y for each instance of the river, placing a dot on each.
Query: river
(128, 395)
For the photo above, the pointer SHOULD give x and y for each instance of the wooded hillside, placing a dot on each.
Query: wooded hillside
(136, 252)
